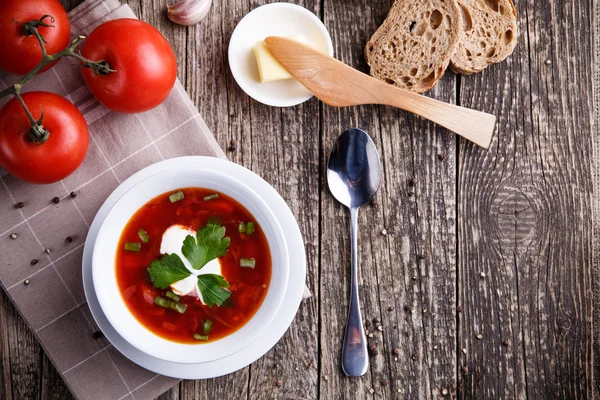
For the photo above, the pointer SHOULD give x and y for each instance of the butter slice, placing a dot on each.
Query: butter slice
(269, 68)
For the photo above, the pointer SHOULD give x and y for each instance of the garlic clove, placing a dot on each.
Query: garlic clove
(188, 12)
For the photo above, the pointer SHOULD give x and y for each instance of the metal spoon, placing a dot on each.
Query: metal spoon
(353, 175)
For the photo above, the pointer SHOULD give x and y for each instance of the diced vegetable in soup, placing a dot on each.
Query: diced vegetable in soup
(193, 265)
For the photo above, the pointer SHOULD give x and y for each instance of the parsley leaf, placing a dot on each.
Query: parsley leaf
(213, 289)
(211, 243)
(167, 270)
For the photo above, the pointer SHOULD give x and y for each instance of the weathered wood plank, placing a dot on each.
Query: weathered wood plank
(200, 52)
(234, 386)
(155, 13)
(282, 146)
(596, 207)
(172, 394)
(524, 215)
(263, 145)
(21, 354)
(408, 274)
(335, 225)
(53, 387)
(5, 367)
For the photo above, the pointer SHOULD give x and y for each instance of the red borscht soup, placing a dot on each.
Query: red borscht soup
(193, 265)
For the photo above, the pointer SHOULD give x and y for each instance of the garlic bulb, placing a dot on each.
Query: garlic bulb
(188, 12)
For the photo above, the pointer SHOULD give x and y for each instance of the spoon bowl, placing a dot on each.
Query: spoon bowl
(353, 176)
(353, 169)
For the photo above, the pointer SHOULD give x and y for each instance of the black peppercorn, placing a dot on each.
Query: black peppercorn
(373, 349)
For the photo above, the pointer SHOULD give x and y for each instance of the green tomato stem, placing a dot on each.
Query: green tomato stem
(38, 134)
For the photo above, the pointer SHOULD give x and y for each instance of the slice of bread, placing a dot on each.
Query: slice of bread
(413, 46)
(490, 34)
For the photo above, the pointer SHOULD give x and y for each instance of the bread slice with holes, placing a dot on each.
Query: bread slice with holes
(490, 34)
(413, 46)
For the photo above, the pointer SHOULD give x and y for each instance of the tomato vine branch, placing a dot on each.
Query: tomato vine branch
(38, 134)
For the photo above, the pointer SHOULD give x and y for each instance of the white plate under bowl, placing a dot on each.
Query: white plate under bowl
(275, 19)
(108, 242)
(277, 327)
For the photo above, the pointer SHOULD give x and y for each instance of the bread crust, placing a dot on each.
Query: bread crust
(414, 45)
(490, 34)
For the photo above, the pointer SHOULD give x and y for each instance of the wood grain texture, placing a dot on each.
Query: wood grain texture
(52, 387)
(5, 381)
(521, 213)
(525, 234)
(21, 355)
(596, 209)
(418, 220)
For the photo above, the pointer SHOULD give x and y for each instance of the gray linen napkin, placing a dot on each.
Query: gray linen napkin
(53, 301)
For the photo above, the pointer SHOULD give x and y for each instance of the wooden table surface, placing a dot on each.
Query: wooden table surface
(482, 286)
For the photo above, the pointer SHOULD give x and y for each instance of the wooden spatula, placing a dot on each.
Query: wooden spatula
(340, 85)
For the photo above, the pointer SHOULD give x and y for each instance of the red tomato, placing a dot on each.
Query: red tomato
(20, 53)
(145, 65)
(58, 156)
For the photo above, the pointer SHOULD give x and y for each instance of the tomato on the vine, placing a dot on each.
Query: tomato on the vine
(19, 54)
(58, 156)
(144, 64)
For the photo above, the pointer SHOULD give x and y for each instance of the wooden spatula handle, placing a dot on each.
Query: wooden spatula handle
(340, 85)
(473, 125)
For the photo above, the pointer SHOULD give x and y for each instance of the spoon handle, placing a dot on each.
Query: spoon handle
(354, 349)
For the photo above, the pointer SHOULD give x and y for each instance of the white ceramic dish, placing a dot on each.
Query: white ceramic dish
(275, 19)
(108, 240)
(271, 335)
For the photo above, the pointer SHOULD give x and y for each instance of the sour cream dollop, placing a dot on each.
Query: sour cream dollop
(172, 242)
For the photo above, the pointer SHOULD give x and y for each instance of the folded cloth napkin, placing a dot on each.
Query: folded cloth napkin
(40, 269)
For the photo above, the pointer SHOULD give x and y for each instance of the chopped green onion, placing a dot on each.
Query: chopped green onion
(247, 262)
(242, 227)
(207, 326)
(161, 301)
(133, 246)
(200, 337)
(214, 220)
(179, 307)
(175, 197)
(143, 235)
(249, 228)
(172, 296)
(211, 197)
